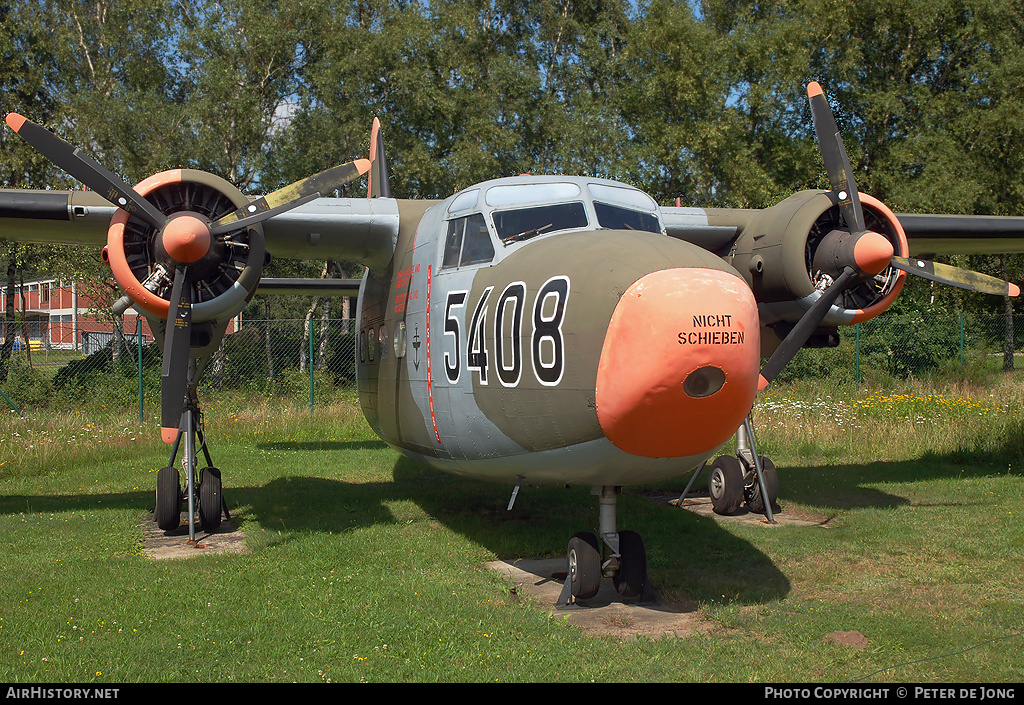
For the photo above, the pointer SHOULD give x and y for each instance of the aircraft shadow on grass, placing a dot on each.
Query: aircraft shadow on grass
(700, 556)
(679, 543)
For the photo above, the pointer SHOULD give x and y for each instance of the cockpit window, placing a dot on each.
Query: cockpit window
(467, 242)
(524, 223)
(514, 194)
(618, 218)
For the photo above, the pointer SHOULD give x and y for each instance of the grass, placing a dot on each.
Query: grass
(365, 566)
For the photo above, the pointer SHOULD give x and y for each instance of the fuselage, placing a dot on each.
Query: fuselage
(547, 328)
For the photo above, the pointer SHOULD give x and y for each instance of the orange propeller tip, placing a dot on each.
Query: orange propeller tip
(15, 121)
(168, 435)
(362, 165)
(813, 89)
(1014, 290)
(762, 383)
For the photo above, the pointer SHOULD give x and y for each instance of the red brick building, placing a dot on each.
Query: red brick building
(59, 315)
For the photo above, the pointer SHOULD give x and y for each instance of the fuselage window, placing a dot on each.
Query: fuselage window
(467, 242)
(524, 223)
(618, 218)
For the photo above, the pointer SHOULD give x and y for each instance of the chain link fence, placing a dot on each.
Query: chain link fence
(914, 345)
(311, 361)
(308, 361)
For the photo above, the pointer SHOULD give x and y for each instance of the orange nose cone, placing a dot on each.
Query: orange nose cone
(679, 366)
(186, 239)
(872, 253)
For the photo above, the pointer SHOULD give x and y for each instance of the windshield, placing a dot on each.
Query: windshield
(524, 223)
(618, 218)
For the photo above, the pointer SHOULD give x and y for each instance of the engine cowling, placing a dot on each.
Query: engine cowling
(225, 270)
(776, 253)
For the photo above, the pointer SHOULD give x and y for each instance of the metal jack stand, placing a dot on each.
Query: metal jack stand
(696, 474)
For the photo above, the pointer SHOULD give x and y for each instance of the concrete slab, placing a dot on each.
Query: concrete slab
(607, 614)
(700, 503)
(160, 544)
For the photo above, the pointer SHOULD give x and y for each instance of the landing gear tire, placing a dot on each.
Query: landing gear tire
(725, 485)
(168, 499)
(584, 573)
(210, 498)
(632, 576)
(771, 482)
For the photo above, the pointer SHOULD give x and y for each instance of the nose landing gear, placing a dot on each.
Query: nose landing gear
(620, 555)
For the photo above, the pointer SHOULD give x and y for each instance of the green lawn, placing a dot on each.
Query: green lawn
(364, 566)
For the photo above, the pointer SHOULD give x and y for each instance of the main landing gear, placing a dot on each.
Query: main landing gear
(744, 478)
(204, 490)
(618, 555)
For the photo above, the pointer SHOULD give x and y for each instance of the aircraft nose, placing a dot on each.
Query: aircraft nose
(679, 366)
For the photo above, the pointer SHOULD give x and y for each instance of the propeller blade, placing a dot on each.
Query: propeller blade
(291, 196)
(954, 276)
(837, 163)
(379, 184)
(803, 329)
(85, 169)
(174, 376)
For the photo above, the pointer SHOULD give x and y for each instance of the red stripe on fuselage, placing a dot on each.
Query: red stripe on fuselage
(430, 381)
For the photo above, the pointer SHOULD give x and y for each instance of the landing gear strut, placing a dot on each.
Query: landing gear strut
(620, 555)
(204, 490)
(745, 477)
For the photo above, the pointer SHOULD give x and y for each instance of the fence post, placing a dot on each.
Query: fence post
(138, 338)
(857, 356)
(961, 340)
(310, 331)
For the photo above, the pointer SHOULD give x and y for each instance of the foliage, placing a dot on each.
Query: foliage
(27, 387)
(701, 100)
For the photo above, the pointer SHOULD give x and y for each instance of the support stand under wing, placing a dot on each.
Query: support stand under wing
(203, 488)
(748, 476)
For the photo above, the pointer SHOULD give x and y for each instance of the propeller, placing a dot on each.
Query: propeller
(186, 238)
(291, 196)
(855, 253)
(85, 169)
(177, 338)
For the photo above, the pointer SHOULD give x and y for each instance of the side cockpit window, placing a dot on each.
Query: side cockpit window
(467, 242)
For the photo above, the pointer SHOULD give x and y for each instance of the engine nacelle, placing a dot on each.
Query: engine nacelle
(224, 278)
(775, 253)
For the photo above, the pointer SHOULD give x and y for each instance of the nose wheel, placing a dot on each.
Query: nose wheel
(619, 555)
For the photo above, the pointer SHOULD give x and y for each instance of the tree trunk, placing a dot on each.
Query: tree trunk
(325, 320)
(24, 323)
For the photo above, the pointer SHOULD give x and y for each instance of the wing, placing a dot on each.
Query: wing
(357, 230)
(931, 234)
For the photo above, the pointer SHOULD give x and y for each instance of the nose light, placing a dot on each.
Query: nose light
(704, 382)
